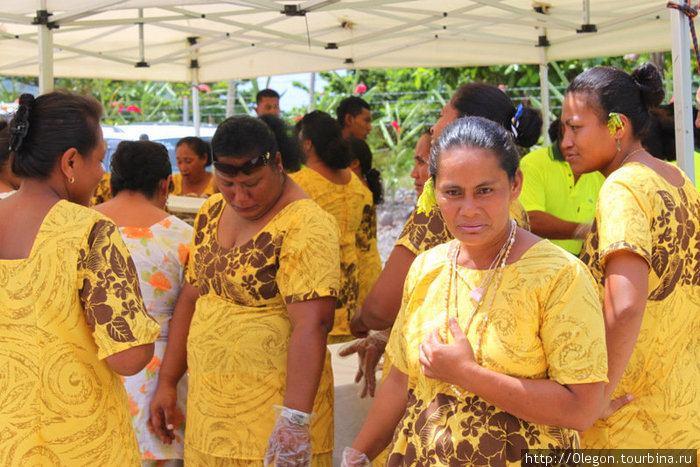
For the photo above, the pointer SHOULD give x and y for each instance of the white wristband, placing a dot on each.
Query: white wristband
(297, 417)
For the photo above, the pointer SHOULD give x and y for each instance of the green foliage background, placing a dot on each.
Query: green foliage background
(405, 101)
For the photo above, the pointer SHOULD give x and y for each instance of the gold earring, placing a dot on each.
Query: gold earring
(72, 179)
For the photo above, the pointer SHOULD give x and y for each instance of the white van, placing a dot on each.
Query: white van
(168, 134)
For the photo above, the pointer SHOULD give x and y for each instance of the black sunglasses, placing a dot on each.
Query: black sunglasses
(249, 167)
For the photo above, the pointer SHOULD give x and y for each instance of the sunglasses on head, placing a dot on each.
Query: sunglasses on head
(247, 168)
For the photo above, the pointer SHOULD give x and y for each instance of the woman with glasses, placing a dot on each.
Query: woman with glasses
(255, 312)
(328, 181)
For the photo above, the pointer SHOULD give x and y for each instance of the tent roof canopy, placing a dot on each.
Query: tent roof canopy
(249, 38)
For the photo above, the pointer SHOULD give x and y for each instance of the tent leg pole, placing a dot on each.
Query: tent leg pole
(45, 51)
(194, 73)
(544, 93)
(230, 98)
(680, 40)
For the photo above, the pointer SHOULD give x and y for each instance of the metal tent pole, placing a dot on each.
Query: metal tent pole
(194, 72)
(45, 48)
(682, 98)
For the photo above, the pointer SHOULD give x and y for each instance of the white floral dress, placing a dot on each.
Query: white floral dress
(160, 253)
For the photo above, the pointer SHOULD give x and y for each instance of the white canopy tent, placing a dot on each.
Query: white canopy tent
(202, 40)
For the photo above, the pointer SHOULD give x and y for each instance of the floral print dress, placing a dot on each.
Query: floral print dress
(160, 253)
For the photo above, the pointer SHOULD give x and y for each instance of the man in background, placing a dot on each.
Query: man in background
(267, 101)
(355, 117)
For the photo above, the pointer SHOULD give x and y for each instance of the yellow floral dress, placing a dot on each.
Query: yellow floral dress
(237, 345)
(545, 322)
(103, 191)
(641, 212)
(351, 206)
(177, 187)
(73, 302)
(160, 253)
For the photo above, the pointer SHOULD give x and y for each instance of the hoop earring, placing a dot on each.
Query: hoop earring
(72, 179)
(618, 145)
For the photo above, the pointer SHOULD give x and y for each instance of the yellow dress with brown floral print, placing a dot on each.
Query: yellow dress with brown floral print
(641, 212)
(239, 336)
(351, 206)
(103, 191)
(73, 302)
(545, 322)
(177, 187)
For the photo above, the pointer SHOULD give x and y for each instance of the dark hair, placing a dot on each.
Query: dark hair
(287, 144)
(487, 101)
(352, 105)
(554, 130)
(660, 138)
(613, 90)
(360, 151)
(4, 143)
(46, 127)
(481, 133)
(266, 93)
(139, 166)
(198, 146)
(325, 134)
(243, 137)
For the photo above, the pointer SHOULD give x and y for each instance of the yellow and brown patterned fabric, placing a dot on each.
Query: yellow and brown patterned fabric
(423, 231)
(103, 191)
(74, 301)
(239, 336)
(545, 322)
(177, 187)
(352, 207)
(641, 212)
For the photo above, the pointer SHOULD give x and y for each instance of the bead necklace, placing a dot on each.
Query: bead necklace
(478, 294)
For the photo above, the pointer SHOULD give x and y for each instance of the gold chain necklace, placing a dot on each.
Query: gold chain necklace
(629, 154)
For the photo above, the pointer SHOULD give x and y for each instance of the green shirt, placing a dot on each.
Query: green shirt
(549, 186)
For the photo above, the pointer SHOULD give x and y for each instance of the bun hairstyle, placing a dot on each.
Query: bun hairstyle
(487, 101)
(198, 146)
(480, 133)
(139, 166)
(287, 145)
(243, 137)
(44, 128)
(324, 133)
(360, 151)
(613, 90)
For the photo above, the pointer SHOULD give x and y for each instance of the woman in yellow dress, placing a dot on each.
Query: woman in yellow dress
(328, 181)
(424, 230)
(499, 345)
(72, 316)
(255, 312)
(193, 156)
(643, 253)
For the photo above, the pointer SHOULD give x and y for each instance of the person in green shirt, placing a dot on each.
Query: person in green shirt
(560, 203)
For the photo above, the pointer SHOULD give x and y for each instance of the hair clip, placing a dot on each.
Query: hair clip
(614, 123)
(427, 201)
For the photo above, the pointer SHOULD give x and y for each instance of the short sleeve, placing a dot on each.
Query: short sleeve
(110, 293)
(423, 231)
(623, 222)
(205, 223)
(532, 196)
(573, 329)
(309, 260)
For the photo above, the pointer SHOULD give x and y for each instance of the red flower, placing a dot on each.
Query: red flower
(502, 87)
(395, 125)
(205, 88)
(121, 108)
(131, 108)
(298, 118)
(360, 88)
